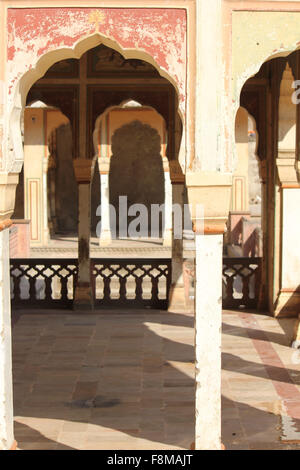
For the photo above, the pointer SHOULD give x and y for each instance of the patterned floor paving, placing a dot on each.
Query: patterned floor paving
(260, 383)
(120, 380)
(108, 381)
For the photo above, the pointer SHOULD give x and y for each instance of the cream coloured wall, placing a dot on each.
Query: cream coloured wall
(240, 187)
(38, 125)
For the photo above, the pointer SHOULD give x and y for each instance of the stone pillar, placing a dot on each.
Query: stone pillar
(105, 235)
(208, 321)
(288, 301)
(51, 207)
(287, 230)
(209, 199)
(167, 237)
(83, 298)
(34, 173)
(45, 228)
(177, 291)
(8, 185)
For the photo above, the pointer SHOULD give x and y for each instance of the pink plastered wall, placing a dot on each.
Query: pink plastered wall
(158, 32)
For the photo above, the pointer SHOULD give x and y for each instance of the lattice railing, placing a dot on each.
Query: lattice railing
(241, 282)
(132, 282)
(116, 283)
(43, 283)
(121, 283)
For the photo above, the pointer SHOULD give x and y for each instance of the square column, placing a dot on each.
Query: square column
(105, 233)
(208, 321)
(83, 298)
(209, 200)
(6, 387)
(35, 176)
(8, 184)
(167, 237)
(177, 290)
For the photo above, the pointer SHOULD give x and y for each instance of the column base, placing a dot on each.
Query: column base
(105, 239)
(167, 238)
(83, 298)
(177, 299)
(287, 304)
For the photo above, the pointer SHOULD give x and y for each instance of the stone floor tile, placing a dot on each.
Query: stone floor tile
(126, 381)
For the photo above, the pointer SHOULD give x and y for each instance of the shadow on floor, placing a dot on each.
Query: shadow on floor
(26, 436)
(135, 386)
(144, 395)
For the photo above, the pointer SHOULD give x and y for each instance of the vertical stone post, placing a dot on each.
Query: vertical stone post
(208, 322)
(167, 237)
(177, 291)
(105, 235)
(46, 231)
(287, 232)
(8, 185)
(34, 174)
(83, 298)
(6, 392)
(209, 199)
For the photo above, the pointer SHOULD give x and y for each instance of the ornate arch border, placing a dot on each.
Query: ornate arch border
(37, 37)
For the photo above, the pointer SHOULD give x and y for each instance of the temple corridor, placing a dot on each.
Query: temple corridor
(119, 380)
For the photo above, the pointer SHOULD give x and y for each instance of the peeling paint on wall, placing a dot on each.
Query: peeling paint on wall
(160, 33)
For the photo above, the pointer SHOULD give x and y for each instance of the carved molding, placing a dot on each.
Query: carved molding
(83, 170)
(288, 169)
(104, 165)
(209, 195)
(8, 184)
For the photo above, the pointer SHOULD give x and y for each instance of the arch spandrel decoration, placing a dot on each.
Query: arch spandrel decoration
(39, 37)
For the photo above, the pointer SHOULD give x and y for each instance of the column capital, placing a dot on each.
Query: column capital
(209, 196)
(8, 184)
(104, 165)
(83, 170)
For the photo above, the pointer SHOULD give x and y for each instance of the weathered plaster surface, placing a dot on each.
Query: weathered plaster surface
(257, 37)
(208, 321)
(6, 403)
(39, 37)
(160, 33)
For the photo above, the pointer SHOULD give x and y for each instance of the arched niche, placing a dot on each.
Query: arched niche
(20, 88)
(47, 156)
(142, 130)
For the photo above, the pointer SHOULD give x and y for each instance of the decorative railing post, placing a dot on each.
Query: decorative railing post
(83, 291)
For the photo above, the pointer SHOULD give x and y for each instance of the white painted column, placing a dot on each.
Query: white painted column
(167, 238)
(209, 189)
(46, 233)
(6, 388)
(208, 321)
(105, 235)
